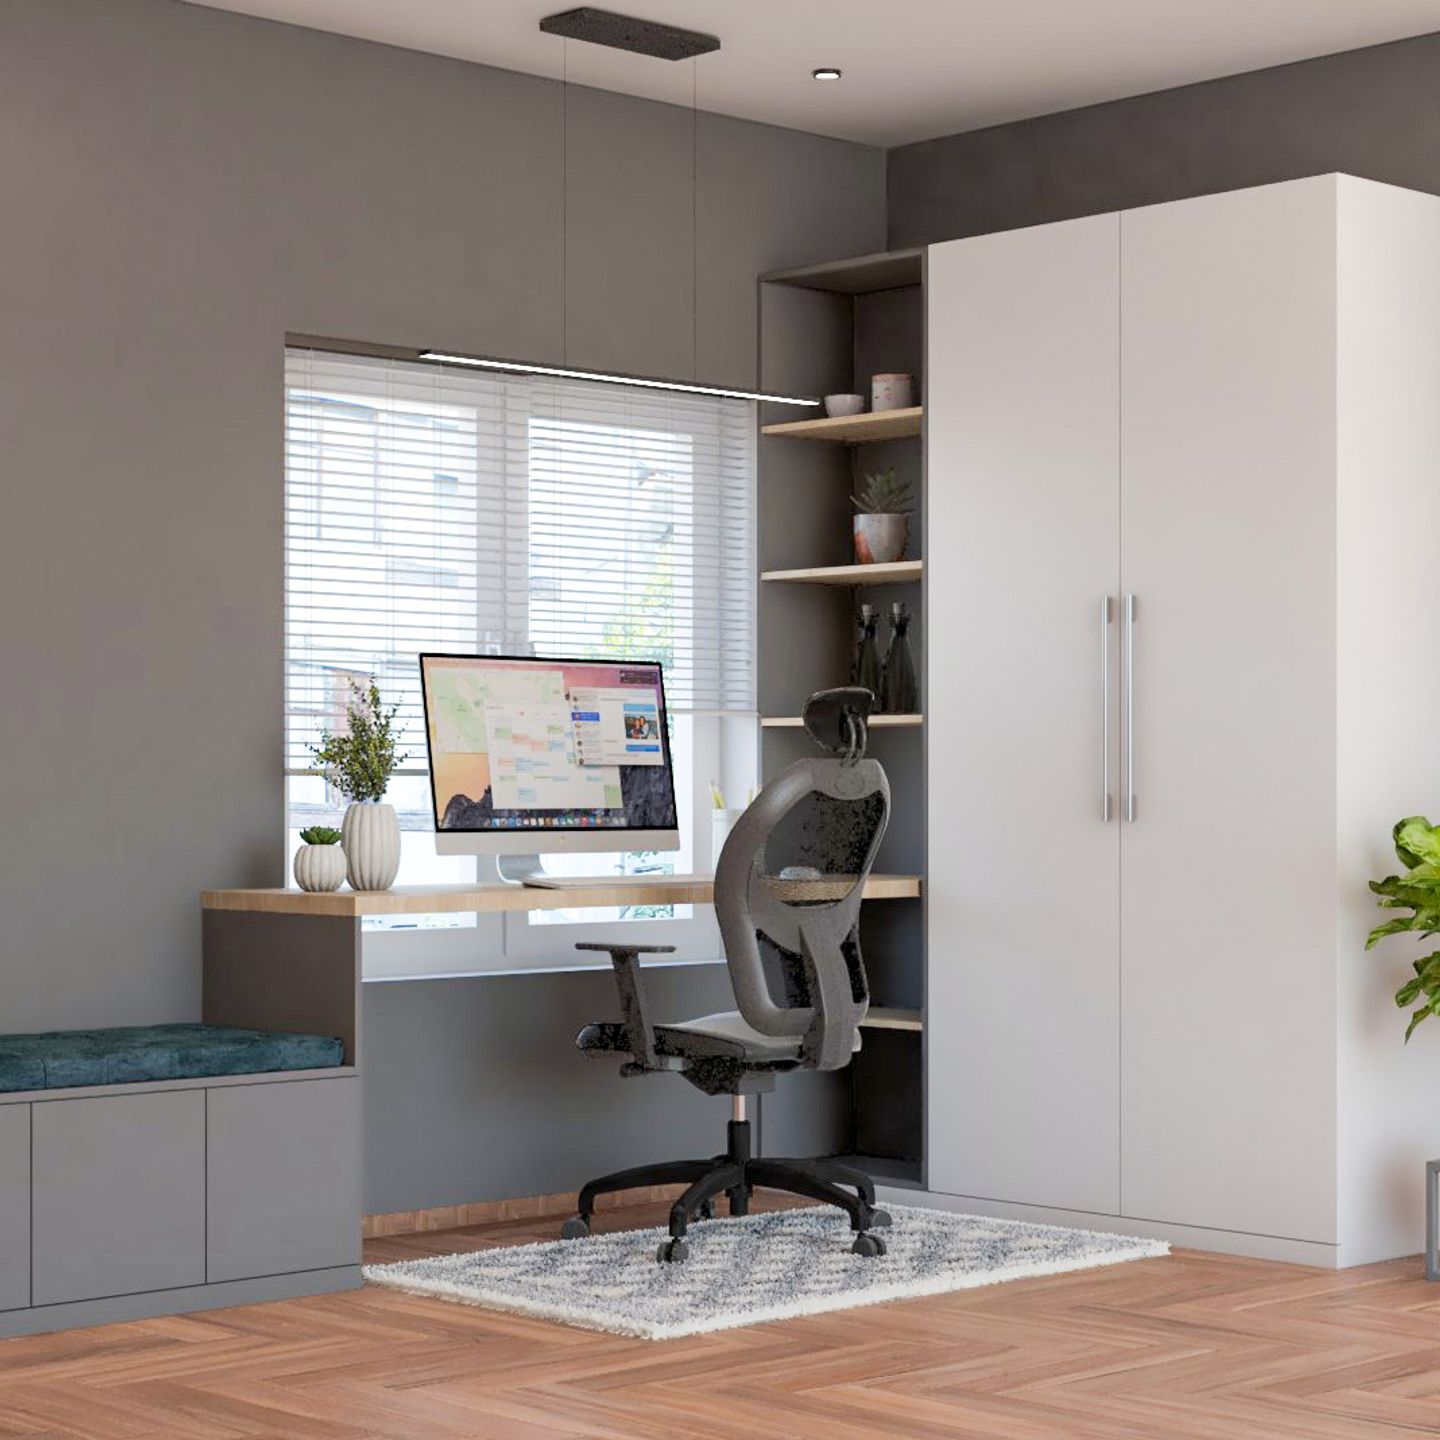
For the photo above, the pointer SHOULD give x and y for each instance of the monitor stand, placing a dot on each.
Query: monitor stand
(522, 870)
(526, 870)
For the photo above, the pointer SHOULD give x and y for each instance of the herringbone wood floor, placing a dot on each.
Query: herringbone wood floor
(1190, 1346)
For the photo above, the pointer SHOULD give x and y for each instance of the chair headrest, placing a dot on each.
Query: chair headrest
(836, 720)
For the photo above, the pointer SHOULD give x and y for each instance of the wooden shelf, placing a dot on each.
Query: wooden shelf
(898, 573)
(853, 429)
(875, 722)
(882, 1017)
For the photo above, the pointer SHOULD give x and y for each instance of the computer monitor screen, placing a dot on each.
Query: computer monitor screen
(548, 755)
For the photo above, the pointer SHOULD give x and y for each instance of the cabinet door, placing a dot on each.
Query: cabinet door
(14, 1207)
(1022, 545)
(284, 1177)
(119, 1195)
(1229, 869)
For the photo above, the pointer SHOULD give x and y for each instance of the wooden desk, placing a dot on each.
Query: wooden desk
(497, 898)
(290, 959)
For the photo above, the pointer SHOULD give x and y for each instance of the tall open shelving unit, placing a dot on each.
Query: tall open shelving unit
(825, 329)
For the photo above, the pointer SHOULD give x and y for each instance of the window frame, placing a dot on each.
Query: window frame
(511, 943)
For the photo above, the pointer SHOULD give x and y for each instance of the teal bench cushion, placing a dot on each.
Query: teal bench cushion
(63, 1059)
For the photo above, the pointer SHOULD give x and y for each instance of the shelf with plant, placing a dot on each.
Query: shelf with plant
(900, 572)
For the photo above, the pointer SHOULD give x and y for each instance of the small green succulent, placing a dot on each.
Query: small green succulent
(883, 493)
(320, 835)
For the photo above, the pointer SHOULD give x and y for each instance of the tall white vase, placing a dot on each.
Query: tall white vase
(371, 837)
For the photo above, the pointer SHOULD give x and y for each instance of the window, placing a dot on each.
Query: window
(436, 509)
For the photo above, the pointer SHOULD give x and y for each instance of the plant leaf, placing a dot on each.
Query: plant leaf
(1416, 842)
(1390, 927)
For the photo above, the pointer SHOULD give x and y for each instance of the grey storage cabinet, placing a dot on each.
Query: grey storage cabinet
(284, 1180)
(14, 1207)
(119, 1195)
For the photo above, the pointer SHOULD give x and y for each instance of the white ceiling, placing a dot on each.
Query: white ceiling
(913, 68)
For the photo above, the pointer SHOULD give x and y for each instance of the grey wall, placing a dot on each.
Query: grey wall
(1373, 112)
(182, 187)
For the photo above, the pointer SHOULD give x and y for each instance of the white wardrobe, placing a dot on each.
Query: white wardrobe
(1183, 521)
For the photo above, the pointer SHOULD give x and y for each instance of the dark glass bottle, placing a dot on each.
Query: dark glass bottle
(867, 657)
(901, 692)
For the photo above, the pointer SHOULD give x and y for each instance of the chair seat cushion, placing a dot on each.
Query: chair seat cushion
(64, 1059)
(727, 1033)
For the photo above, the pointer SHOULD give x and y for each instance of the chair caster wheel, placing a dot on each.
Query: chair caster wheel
(880, 1220)
(870, 1246)
(707, 1210)
(577, 1227)
(671, 1251)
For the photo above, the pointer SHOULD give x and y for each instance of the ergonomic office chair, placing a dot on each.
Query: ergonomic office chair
(788, 886)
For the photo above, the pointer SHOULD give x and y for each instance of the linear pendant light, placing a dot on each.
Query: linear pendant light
(564, 372)
(483, 362)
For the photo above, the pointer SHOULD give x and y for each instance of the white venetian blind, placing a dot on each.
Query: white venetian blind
(429, 508)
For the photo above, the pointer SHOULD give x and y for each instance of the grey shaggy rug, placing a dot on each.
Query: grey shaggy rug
(753, 1269)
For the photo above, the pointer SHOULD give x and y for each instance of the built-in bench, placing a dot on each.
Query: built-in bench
(163, 1168)
(66, 1059)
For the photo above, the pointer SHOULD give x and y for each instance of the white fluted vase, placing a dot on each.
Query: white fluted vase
(319, 867)
(371, 836)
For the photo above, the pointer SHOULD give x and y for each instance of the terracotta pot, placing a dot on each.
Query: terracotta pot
(881, 539)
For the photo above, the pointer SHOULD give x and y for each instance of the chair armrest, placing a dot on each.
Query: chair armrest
(639, 1037)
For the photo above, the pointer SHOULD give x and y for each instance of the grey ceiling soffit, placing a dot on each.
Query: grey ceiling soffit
(625, 32)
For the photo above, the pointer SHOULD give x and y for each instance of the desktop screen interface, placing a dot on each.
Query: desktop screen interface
(547, 744)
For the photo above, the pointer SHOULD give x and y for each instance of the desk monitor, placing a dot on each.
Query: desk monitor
(531, 755)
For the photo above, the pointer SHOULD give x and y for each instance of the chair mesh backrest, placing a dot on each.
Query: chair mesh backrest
(797, 860)
(833, 837)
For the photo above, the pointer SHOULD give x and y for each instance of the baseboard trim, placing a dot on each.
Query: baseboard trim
(490, 1212)
(75, 1314)
(1190, 1237)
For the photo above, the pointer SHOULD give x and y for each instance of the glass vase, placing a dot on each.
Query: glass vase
(900, 689)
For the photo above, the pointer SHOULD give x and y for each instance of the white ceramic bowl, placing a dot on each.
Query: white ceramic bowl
(837, 406)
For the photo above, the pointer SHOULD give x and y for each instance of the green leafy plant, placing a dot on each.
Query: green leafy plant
(360, 762)
(883, 493)
(320, 835)
(1417, 843)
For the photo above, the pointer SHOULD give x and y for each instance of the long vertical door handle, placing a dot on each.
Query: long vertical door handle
(1130, 708)
(1107, 800)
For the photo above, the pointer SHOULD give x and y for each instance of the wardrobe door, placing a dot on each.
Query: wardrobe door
(1021, 549)
(1229, 866)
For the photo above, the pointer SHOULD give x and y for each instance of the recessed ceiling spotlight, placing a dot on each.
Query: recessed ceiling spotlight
(826, 72)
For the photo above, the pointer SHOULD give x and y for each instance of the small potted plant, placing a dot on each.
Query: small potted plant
(1417, 843)
(882, 519)
(319, 862)
(359, 763)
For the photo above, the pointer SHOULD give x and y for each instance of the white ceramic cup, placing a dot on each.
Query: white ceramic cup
(837, 406)
(892, 392)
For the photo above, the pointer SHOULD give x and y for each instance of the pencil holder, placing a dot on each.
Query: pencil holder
(722, 822)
